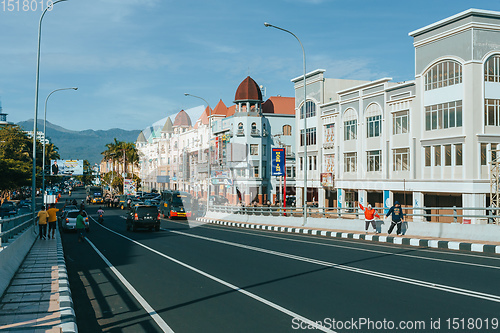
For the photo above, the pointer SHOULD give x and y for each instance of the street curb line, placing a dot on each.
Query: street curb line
(67, 313)
(437, 244)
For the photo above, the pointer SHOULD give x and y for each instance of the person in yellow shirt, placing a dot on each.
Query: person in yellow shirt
(43, 216)
(52, 220)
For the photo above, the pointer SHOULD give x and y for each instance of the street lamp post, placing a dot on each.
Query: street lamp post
(209, 138)
(304, 197)
(45, 138)
(35, 119)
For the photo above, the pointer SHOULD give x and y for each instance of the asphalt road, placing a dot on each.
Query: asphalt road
(220, 279)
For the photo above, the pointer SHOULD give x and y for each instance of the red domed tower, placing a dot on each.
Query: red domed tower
(248, 97)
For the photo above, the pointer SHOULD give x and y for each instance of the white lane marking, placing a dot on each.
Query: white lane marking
(227, 284)
(260, 234)
(156, 317)
(450, 289)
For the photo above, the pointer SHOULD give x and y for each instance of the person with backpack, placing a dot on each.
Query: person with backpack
(370, 215)
(397, 217)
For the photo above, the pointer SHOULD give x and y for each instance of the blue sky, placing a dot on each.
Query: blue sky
(133, 60)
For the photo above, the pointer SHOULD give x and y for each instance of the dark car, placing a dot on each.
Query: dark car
(143, 216)
(291, 201)
(8, 208)
(218, 200)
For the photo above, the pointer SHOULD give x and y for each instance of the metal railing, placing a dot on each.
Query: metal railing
(12, 226)
(429, 214)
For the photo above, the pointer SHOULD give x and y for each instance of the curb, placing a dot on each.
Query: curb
(430, 243)
(67, 313)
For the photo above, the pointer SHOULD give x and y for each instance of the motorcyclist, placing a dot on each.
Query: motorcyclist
(100, 213)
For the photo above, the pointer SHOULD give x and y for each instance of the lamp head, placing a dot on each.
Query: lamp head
(266, 24)
(75, 88)
(186, 94)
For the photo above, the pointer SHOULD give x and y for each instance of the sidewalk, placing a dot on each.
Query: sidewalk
(38, 299)
(431, 242)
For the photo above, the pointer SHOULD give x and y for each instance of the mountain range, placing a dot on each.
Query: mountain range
(81, 145)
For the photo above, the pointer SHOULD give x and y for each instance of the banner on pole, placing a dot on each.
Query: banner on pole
(278, 162)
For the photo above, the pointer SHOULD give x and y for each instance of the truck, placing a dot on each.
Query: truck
(95, 193)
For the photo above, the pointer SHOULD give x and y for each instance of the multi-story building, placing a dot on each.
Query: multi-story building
(426, 142)
(240, 143)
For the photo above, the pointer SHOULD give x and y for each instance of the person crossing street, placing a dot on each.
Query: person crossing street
(397, 217)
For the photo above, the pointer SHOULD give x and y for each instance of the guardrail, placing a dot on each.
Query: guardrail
(12, 226)
(430, 214)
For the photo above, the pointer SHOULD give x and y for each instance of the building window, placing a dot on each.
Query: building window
(492, 69)
(288, 150)
(310, 110)
(401, 158)
(329, 163)
(240, 126)
(256, 172)
(373, 160)
(301, 162)
(427, 151)
(287, 130)
(443, 74)
(310, 137)
(350, 161)
(350, 131)
(484, 146)
(437, 155)
(447, 155)
(264, 171)
(458, 154)
(492, 112)
(445, 115)
(400, 122)
(254, 149)
(290, 172)
(264, 149)
(330, 134)
(374, 126)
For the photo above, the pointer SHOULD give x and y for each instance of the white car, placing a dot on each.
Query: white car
(68, 221)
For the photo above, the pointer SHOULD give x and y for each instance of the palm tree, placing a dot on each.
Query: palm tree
(113, 152)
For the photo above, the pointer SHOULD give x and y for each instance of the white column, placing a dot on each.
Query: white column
(321, 197)
(363, 197)
(474, 200)
(418, 201)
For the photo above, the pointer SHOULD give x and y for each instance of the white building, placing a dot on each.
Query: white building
(424, 142)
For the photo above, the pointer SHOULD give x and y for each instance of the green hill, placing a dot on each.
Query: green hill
(81, 145)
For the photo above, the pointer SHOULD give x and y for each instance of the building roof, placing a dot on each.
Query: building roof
(141, 138)
(248, 90)
(182, 120)
(279, 105)
(220, 109)
(169, 127)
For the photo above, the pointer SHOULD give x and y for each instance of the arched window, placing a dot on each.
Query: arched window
(287, 130)
(350, 124)
(254, 126)
(240, 127)
(373, 115)
(310, 110)
(492, 69)
(443, 74)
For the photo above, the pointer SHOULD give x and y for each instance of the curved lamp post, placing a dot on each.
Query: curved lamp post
(35, 118)
(209, 151)
(45, 139)
(304, 197)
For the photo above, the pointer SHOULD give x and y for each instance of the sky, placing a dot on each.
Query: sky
(133, 60)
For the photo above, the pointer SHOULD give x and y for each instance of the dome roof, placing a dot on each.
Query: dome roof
(182, 119)
(168, 127)
(248, 90)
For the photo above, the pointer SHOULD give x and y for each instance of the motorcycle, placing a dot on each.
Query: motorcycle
(100, 218)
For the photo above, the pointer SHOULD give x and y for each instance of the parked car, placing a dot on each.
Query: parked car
(68, 221)
(8, 208)
(291, 201)
(143, 217)
(218, 200)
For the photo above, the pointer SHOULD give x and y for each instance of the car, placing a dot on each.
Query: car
(218, 200)
(8, 208)
(152, 202)
(143, 216)
(68, 221)
(291, 201)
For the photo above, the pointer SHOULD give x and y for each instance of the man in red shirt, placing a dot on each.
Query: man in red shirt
(370, 215)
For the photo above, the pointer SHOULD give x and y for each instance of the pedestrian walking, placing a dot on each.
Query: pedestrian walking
(397, 217)
(42, 222)
(80, 226)
(52, 212)
(370, 215)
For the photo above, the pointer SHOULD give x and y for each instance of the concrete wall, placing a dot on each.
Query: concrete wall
(12, 256)
(472, 232)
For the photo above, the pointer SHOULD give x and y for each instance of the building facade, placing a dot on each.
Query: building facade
(426, 142)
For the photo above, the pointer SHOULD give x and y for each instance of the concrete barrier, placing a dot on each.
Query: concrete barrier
(12, 256)
(472, 232)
